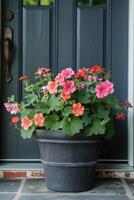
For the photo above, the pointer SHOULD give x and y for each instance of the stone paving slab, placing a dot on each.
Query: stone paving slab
(7, 196)
(35, 189)
(9, 185)
(102, 186)
(73, 197)
(130, 183)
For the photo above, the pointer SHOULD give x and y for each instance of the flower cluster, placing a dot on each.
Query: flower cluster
(72, 102)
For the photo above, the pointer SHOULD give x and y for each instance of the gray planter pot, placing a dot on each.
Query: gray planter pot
(69, 162)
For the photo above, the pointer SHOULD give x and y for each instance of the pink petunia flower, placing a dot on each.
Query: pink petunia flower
(8, 106)
(26, 123)
(52, 87)
(104, 89)
(67, 73)
(69, 86)
(59, 79)
(14, 108)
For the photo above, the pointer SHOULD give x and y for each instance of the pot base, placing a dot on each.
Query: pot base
(70, 179)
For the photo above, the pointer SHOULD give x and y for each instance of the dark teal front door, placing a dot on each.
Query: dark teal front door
(58, 35)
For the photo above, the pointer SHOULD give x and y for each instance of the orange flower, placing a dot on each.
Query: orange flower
(77, 109)
(26, 123)
(15, 120)
(39, 120)
(65, 95)
(22, 78)
(52, 87)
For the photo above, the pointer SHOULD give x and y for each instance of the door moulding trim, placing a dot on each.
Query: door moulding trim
(131, 83)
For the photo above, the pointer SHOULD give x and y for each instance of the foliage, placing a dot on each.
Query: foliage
(80, 2)
(91, 2)
(71, 101)
(33, 2)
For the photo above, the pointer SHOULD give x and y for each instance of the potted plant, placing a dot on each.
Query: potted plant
(70, 115)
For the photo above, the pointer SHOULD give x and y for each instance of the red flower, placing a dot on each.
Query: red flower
(22, 78)
(15, 120)
(96, 69)
(121, 116)
(80, 73)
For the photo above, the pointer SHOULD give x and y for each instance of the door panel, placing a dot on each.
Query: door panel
(36, 31)
(63, 35)
(9, 137)
(66, 33)
(90, 35)
(117, 147)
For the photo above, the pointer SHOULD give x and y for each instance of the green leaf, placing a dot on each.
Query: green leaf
(110, 130)
(31, 98)
(11, 99)
(51, 104)
(52, 122)
(27, 133)
(83, 97)
(28, 112)
(86, 119)
(97, 128)
(67, 111)
(102, 113)
(112, 102)
(72, 125)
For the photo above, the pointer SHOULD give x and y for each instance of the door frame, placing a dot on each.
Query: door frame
(131, 82)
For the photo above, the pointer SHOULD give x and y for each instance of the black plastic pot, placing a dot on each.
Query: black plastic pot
(69, 162)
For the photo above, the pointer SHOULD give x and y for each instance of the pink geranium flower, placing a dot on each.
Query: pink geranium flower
(15, 108)
(88, 78)
(104, 89)
(78, 109)
(39, 119)
(69, 86)
(44, 89)
(42, 70)
(52, 87)
(65, 95)
(59, 79)
(26, 123)
(82, 86)
(67, 73)
(8, 106)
